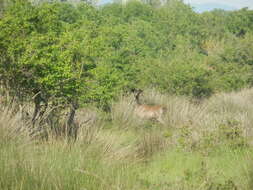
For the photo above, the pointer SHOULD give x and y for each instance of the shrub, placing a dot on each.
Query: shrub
(177, 77)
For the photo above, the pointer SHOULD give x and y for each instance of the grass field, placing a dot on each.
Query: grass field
(201, 146)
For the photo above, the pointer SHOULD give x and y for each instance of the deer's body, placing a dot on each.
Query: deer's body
(148, 111)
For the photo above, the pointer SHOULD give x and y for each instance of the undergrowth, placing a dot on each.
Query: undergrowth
(205, 146)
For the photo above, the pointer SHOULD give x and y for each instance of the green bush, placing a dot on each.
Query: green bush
(178, 77)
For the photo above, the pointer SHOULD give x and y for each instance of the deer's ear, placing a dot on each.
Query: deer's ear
(132, 90)
(139, 91)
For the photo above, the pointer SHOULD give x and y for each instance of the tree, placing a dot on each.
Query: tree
(45, 61)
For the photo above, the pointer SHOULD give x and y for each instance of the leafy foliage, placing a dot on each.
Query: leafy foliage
(89, 55)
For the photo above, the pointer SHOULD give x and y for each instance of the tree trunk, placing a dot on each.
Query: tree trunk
(37, 101)
(71, 126)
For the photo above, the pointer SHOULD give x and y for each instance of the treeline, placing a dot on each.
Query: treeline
(78, 53)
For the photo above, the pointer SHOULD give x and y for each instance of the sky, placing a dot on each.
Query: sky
(208, 5)
(203, 5)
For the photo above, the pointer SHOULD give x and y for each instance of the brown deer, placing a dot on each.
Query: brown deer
(148, 111)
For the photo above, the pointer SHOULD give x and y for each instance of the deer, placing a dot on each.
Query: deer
(144, 111)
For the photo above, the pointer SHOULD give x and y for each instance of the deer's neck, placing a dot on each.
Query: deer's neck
(137, 98)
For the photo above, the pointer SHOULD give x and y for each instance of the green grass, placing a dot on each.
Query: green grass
(193, 168)
(61, 166)
(200, 148)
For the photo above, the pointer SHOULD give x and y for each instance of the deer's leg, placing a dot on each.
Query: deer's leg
(160, 120)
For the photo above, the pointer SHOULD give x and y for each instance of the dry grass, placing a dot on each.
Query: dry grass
(12, 127)
(122, 112)
(229, 110)
(111, 152)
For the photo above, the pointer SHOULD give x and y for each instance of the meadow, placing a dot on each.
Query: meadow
(205, 145)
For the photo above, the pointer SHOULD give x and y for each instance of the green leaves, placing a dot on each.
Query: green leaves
(44, 57)
(91, 54)
(177, 77)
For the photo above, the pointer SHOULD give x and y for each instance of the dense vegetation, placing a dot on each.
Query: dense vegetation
(78, 52)
(58, 57)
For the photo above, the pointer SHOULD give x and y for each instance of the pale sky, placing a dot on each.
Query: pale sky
(203, 5)
(232, 3)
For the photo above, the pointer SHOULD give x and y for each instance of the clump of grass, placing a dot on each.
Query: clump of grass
(12, 127)
(150, 143)
(122, 112)
(233, 107)
(89, 124)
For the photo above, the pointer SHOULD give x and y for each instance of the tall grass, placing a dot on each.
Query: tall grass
(205, 145)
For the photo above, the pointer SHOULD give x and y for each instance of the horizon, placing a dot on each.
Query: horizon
(209, 5)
